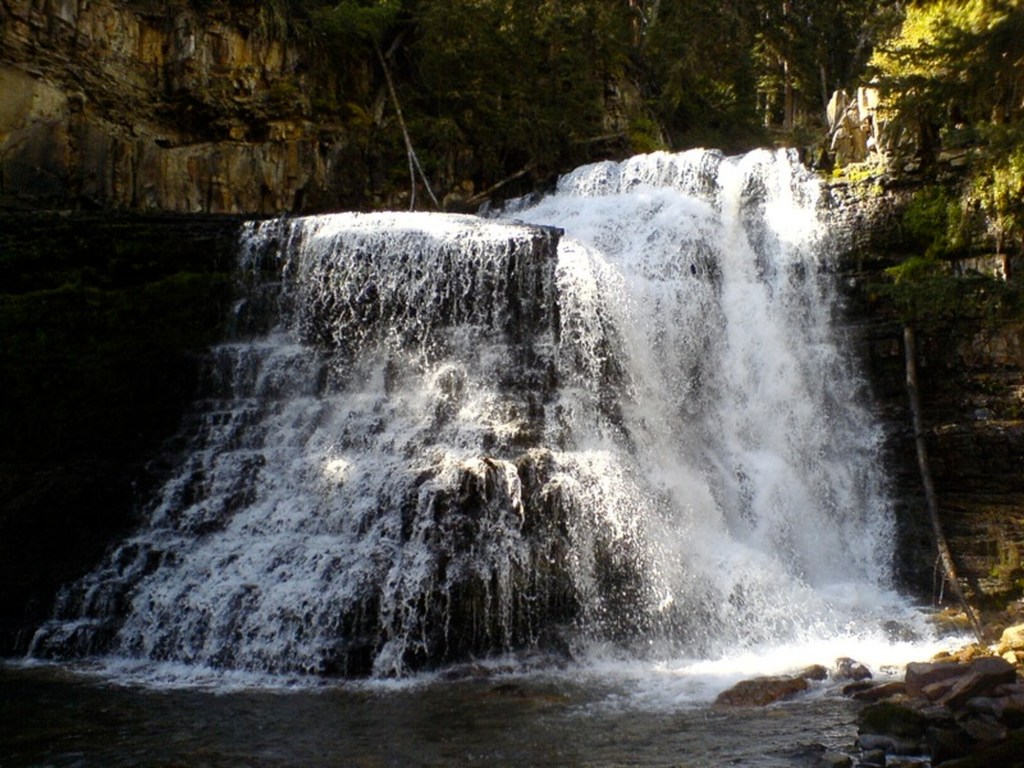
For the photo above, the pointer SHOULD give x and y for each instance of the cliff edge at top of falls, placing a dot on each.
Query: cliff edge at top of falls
(148, 106)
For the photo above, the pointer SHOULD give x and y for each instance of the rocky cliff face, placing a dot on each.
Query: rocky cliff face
(971, 371)
(151, 106)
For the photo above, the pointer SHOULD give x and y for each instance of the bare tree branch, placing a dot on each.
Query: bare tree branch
(945, 555)
(414, 161)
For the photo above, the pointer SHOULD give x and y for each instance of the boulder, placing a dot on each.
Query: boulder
(872, 758)
(814, 672)
(1008, 707)
(981, 677)
(895, 720)
(1012, 640)
(874, 693)
(920, 674)
(848, 669)
(761, 691)
(1006, 754)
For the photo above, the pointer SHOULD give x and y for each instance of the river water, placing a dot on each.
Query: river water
(52, 716)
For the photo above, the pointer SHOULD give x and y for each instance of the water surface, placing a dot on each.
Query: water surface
(55, 717)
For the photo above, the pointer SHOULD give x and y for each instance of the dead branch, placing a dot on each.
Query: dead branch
(414, 161)
(945, 555)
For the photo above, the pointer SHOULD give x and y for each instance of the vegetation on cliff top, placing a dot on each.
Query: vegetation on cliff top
(495, 88)
(953, 78)
(491, 88)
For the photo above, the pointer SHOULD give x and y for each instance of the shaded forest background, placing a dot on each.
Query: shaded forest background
(516, 91)
(491, 88)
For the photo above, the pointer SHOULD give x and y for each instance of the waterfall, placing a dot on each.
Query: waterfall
(620, 414)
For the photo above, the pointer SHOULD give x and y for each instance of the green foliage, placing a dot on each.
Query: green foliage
(284, 98)
(952, 75)
(859, 173)
(490, 87)
(701, 61)
(357, 22)
(915, 269)
(953, 63)
(934, 223)
(998, 186)
(522, 82)
(937, 302)
(645, 135)
(925, 291)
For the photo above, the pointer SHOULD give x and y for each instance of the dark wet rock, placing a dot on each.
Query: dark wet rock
(947, 710)
(892, 719)
(984, 728)
(872, 692)
(815, 672)
(872, 758)
(834, 760)
(848, 669)
(1006, 754)
(903, 761)
(857, 687)
(889, 745)
(919, 675)
(1010, 706)
(982, 677)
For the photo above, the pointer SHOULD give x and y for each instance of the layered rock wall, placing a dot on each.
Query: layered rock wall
(152, 106)
(971, 377)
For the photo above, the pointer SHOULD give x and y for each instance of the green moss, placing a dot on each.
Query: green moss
(860, 173)
(914, 269)
(930, 300)
(934, 222)
(644, 135)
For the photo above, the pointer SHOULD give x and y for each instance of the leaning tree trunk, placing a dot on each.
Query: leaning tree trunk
(945, 555)
(414, 161)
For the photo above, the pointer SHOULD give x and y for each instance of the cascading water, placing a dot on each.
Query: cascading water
(629, 421)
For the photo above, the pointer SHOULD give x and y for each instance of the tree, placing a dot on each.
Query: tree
(953, 75)
(954, 66)
(805, 49)
(701, 72)
(522, 82)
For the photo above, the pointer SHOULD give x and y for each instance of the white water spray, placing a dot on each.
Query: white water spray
(455, 441)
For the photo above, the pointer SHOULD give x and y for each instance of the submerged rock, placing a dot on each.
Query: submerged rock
(835, 760)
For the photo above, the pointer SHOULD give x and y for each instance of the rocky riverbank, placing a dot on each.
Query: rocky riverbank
(958, 710)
